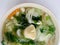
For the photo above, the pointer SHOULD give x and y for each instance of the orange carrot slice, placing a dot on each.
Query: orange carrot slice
(13, 13)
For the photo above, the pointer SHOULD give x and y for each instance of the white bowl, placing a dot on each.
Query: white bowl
(31, 5)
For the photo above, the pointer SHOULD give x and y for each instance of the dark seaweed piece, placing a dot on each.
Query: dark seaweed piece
(41, 30)
(22, 20)
(40, 18)
(31, 42)
(36, 19)
(44, 29)
(35, 25)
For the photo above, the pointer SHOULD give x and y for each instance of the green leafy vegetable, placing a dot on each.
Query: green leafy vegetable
(31, 42)
(36, 19)
(47, 17)
(3, 42)
(44, 29)
(51, 29)
(11, 37)
(15, 28)
(22, 20)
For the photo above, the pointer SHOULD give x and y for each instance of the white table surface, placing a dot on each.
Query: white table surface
(53, 5)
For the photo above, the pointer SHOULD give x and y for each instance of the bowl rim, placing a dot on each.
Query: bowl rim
(36, 6)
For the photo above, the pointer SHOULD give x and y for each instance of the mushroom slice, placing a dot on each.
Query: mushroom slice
(30, 32)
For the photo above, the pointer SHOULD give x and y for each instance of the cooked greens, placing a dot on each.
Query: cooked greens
(36, 19)
(3, 42)
(22, 20)
(11, 37)
(51, 29)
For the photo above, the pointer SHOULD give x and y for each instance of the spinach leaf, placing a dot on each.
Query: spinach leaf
(3, 42)
(44, 29)
(27, 42)
(11, 37)
(51, 29)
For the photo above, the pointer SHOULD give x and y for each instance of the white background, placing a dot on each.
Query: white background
(53, 5)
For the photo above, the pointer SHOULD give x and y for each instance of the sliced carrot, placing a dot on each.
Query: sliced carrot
(13, 13)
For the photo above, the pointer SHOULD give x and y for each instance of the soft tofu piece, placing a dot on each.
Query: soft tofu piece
(18, 32)
(22, 9)
(17, 13)
(30, 32)
(44, 37)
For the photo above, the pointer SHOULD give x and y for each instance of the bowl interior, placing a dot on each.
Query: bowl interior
(30, 5)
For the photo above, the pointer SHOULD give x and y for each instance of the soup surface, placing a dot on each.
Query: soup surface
(28, 26)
